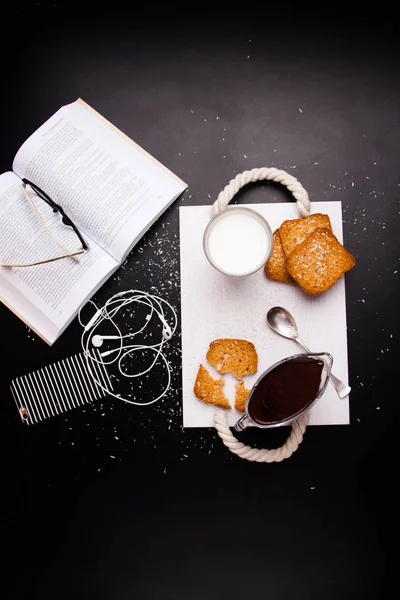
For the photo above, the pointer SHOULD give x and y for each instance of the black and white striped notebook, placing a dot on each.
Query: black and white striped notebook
(59, 387)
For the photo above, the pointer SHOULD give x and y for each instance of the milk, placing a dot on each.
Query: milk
(238, 241)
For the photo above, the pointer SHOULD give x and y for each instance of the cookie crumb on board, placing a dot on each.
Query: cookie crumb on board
(242, 393)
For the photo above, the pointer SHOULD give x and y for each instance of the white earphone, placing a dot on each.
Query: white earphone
(108, 313)
(97, 340)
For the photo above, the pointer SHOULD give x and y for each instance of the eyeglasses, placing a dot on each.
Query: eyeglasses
(65, 219)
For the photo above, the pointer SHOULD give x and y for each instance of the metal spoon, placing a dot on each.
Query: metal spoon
(282, 322)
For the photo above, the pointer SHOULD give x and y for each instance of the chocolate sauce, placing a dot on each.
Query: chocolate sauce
(286, 390)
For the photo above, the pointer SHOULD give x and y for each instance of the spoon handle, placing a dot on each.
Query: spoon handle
(341, 388)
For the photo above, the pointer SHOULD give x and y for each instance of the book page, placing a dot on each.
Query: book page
(27, 312)
(110, 188)
(55, 289)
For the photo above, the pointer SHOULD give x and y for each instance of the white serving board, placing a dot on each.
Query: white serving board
(217, 306)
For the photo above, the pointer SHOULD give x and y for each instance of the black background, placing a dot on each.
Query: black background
(118, 502)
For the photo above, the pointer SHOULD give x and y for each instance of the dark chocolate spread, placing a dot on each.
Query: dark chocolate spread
(286, 390)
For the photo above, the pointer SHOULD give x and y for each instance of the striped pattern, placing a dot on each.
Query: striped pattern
(59, 387)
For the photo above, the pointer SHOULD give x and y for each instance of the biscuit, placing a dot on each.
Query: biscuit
(275, 266)
(242, 393)
(209, 390)
(295, 231)
(319, 262)
(238, 357)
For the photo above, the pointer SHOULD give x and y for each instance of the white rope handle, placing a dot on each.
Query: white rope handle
(221, 424)
(269, 174)
(260, 455)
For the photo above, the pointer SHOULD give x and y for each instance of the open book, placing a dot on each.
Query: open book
(110, 188)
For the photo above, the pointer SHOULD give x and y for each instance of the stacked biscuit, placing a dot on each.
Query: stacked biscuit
(306, 252)
(227, 355)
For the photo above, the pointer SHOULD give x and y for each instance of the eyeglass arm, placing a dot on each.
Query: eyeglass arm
(56, 208)
(43, 224)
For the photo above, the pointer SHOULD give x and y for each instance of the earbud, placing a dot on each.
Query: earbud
(97, 340)
(166, 331)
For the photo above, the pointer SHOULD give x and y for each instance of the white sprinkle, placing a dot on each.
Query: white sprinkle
(300, 111)
(352, 184)
(312, 487)
(245, 156)
(205, 120)
(116, 438)
(191, 110)
(378, 408)
(248, 56)
(217, 118)
(111, 456)
(316, 163)
(358, 420)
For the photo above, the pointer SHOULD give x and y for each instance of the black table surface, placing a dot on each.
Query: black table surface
(114, 501)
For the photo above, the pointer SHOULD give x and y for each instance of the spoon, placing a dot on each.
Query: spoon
(282, 322)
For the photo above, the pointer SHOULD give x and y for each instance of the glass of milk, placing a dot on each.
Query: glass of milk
(238, 241)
